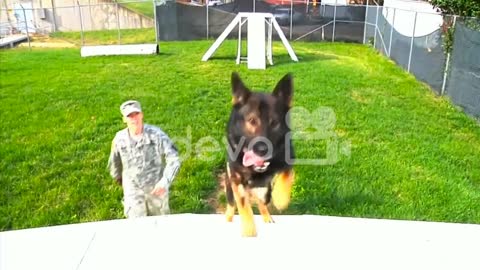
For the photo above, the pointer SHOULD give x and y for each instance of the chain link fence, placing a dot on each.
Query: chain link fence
(463, 77)
(442, 51)
(420, 43)
(44, 17)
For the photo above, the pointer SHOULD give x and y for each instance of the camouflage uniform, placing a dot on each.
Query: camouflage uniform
(141, 165)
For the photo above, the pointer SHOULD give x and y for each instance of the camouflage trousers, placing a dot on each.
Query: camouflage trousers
(138, 202)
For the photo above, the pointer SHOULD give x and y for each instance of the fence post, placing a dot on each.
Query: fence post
(334, 20)
(155, 19)
(411, 41)
(206, 6)
(118, 22)
(291, 18)
(26, 26)
(92, 23)
(391, 33)
(447, 64)
(366, 23)
(375, 31)
(81, 23)
(54, 15)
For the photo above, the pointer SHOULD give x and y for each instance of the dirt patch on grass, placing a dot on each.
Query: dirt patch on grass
(44, 41)
(217, 199)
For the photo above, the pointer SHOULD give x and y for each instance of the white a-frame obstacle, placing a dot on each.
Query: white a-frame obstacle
(257, 50)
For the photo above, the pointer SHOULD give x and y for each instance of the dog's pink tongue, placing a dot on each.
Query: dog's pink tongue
(250, 158)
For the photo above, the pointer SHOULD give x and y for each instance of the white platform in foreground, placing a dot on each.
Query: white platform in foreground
(128, 49)
(192, 241)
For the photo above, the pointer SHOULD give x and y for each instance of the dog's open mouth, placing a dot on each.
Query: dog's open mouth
(251, 159)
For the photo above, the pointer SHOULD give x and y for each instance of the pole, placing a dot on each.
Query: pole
(54, 15)
(92, 23)
(26, 27)
(291, 18)
(118, 22)
(366, 23)
(155, 20)
(81, 23)
(334, 20)
(411, 42)
(375, 31)
(207, 18)
(391, 33)
(447, 65)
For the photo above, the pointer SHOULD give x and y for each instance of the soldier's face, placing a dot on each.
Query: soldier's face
(135, 121)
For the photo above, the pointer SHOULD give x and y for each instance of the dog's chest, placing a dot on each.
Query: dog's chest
(257, 180)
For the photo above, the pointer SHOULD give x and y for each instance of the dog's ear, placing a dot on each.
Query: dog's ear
(239, 91)
(284, 89)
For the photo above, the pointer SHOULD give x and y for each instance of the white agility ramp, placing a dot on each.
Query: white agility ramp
(258, 49)
(127, 49)
(202, 241)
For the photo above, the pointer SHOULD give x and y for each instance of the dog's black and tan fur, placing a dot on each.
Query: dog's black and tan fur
(258, 124)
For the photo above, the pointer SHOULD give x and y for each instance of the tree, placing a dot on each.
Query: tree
(467, 8)
(464, 8)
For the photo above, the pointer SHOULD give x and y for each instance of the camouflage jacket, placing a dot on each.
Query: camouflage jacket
(149, 161)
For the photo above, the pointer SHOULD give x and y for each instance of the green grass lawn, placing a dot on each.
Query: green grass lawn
(145, 8)
(389, 147)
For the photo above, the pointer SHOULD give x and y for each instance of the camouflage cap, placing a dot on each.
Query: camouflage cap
(129, 107)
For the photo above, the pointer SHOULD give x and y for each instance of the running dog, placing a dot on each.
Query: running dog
(260, 151)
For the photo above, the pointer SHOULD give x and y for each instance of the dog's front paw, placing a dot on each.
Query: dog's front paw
(229, 213)
(268, 219)
(249, 230)
(282, 190)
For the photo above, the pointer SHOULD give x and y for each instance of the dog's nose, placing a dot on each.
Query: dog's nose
(260, 148)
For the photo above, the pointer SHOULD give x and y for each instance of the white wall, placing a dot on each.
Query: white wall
(428, 19)
(96, 15)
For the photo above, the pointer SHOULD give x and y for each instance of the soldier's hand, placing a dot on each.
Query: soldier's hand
(158, 191)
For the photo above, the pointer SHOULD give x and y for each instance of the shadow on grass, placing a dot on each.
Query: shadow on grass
(280, 59)
(330, 204)
(333, 204)
(283, 59)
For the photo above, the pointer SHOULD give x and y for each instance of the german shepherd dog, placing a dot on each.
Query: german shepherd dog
(259, 152)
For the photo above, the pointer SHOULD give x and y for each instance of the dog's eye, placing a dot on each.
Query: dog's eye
(252, 121)
(274, 123)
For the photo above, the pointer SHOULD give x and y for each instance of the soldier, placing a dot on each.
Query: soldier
(145, 161)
